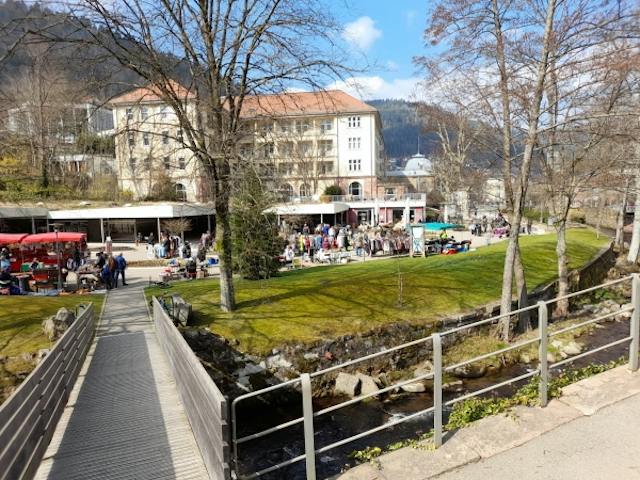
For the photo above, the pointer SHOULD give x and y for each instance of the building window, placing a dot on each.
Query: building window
(325, 147)
(325, 168)
(147, 163)
(355, 165)
(268, 149)
(286, 191)
(129, 113)
(355, 189)
(305, 148)
(285, 149)
(246, 150)
(266, 127)
(285, 168)
(145, 139)
(305, 190)
(132, 164)
(181, 192)
(390, 193)
(164, 111)
(144, 113)
(165, 137)
(179, 136)
(166, 162)
(354, 122)
(354, 143)
(326, 126)
(131, 138)
(181, 163)
(285, 126)
(301, 126)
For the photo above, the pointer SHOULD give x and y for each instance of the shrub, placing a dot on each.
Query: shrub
(332, 190)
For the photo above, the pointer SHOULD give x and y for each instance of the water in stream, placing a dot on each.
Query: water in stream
(354, 419)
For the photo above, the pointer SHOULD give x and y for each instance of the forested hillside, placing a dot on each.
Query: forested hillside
(401, 128)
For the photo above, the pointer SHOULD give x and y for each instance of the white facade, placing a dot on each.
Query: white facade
(149, 148)
(312, 144)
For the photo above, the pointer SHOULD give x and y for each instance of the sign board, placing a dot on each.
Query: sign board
(417, 240)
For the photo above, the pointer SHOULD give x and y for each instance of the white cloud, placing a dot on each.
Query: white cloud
(375, 87)
(361, 33)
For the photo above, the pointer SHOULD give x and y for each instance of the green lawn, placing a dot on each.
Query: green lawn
(21, 318)
(326, 302)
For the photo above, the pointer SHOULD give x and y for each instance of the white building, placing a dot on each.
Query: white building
(313, 140)
(65, 121)
(149, 147)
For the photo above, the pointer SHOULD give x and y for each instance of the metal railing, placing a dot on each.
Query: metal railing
(438, 407)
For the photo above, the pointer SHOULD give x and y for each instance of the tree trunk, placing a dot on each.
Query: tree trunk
(223, 234)
(619, 240)
(521, 285)
(562, 306)
(507, 283)
(523, 179)
(634, 248)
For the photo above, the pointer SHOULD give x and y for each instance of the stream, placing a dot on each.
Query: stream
(351, 420)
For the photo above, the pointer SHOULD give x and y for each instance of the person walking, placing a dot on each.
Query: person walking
(111, 263)
(105, 274)
(121, 266)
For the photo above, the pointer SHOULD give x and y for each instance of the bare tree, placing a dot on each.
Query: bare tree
(515, 51)
(230, 50)
(39, 101)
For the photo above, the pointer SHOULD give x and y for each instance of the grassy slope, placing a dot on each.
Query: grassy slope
(21, 319)
(321, 302)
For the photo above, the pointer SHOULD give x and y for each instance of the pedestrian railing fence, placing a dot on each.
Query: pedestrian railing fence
(29, 417)
(303, 382)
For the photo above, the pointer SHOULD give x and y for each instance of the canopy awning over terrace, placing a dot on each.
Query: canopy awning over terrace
(309, 209)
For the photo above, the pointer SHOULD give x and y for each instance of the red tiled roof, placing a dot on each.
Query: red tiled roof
(303, 103)
(151, 94)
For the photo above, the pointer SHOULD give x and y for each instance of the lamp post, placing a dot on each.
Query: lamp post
(56, 229)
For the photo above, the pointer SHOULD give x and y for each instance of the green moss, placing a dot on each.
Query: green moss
(325, 302)
(21, 320)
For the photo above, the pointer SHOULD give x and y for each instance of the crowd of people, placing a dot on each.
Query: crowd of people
(312, 244)
(172, 246)
(498, 226)
(108, 268)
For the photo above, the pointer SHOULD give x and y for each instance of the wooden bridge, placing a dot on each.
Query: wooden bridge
(136, 411)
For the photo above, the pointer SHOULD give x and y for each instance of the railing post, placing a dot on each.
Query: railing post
(543, 387)
(307, 412)
(635, 323)
(437, 390)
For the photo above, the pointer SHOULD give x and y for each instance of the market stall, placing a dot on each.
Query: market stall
(52, 252)
(11, 241)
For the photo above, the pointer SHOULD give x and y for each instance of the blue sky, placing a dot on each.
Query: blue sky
(389, 33)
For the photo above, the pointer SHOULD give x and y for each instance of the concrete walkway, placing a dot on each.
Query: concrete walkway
(124, 418)
(591, 432)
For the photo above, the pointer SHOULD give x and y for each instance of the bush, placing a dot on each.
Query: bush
(332, 190)
(578, 217)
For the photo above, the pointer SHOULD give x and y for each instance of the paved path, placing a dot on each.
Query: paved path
(601, 447)
(124, 419)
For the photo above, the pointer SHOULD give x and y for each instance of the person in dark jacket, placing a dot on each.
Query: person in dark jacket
(121, 266)
(101, 260)
(106, 275)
